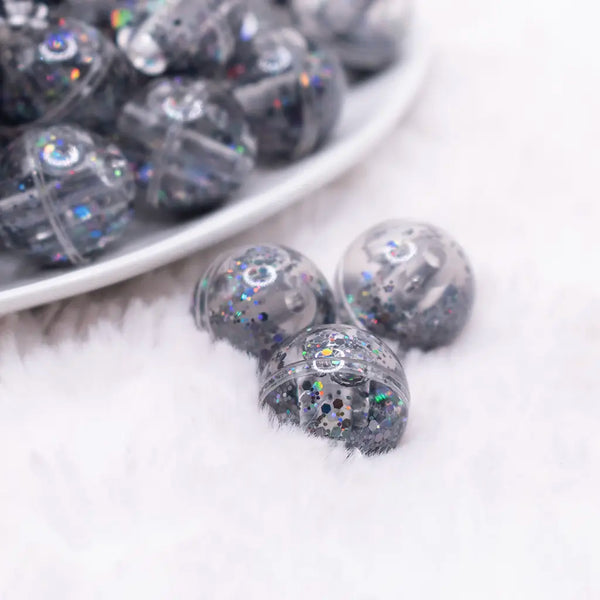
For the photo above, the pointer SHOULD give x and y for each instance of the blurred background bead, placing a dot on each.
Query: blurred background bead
(339, 382)
(97, 12)
(406, 281)
(178, 36)
(269, 14)
(366, 34)
(65, 194)
(63, 70)
(17, 13)
(189, 142)
(256, 296)
(291, 90)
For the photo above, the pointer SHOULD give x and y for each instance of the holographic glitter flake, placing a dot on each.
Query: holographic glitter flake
(339, 382)
(97, 12)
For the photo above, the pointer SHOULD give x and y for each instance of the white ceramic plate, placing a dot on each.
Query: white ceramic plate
(372, 108)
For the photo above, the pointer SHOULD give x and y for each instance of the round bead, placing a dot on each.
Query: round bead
(367, 35)
(64, 195)
(339, 382)
(64, 70)
(189, 141)
(179, 35)
(408, 282)
(291, 91)
(256, 296)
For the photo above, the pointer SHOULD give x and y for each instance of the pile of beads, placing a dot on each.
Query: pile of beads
(192, 92)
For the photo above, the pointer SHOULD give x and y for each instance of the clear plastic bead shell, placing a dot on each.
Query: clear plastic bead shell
(366, 34)
(176, 36)
(291, 90)
(339, 382)
(64, 70)
(408, 282)
(257, 296)
(64, 196)
(189, 141)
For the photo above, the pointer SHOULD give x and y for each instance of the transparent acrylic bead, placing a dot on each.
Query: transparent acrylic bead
(189, 141)
(339, 382)
(256, 296)
(65, 70)
(408, 282)
(161, 36)
(366, 34)
(64, 195)
(291, 90)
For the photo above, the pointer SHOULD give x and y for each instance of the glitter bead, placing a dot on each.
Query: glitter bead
(408, 282)
(256, 296)
(339, 382)
(189, 141)
(367, 35)
(291, 91)
(179, 35)
(64, 195)
(64, 70)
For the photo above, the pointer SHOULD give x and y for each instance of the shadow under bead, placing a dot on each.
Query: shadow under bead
(408, 282)
(291, 90)
(367, 35)
(341, 383)
(65, 195)
(189, 142)
(65, 70)
(257, 296)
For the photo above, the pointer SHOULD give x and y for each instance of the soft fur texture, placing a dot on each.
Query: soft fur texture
(135, 463)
